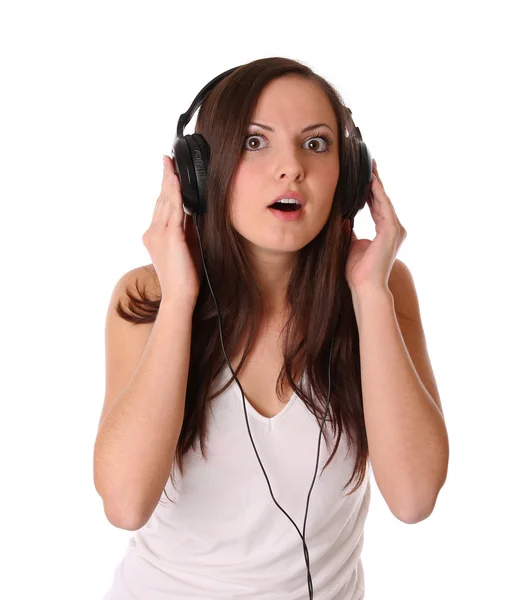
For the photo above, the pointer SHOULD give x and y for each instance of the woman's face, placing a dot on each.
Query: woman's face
(274, 162)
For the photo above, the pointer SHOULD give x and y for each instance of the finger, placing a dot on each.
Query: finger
(377, 190)
(375, 171)
(164, 170)
(169, 181)
(382, 207)
(169, 174)
(168, 164)
(168, 206)
(379, 198)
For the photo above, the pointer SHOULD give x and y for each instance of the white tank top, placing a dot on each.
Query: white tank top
(226, 538)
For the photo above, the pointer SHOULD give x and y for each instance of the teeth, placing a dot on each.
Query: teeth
(288, 201)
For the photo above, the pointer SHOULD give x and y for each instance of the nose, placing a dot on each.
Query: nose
(288, 165)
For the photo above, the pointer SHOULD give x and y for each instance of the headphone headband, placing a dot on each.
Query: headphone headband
(188, 115)
(200, 97)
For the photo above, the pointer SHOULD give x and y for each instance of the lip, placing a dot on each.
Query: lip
(289, 194)
(287, 216)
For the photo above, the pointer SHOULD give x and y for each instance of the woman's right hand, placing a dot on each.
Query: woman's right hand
(175, 252)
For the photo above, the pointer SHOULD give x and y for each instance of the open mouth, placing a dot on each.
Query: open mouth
(286, 206)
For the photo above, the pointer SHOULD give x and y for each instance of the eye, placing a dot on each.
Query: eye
(326, 139)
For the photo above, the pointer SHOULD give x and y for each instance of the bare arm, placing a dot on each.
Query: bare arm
(136, 440)
(407, 436)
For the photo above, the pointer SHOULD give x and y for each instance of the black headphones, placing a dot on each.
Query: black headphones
(192, 153)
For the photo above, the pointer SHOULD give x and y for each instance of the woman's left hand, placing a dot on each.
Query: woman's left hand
(369, 263)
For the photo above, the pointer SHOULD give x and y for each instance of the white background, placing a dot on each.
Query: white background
(92, 92)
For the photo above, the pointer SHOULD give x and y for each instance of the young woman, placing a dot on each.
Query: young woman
(273, 358)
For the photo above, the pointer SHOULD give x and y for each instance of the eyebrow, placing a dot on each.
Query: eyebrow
(308, 128)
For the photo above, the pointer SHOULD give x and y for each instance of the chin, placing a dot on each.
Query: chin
(279, 238)
(286, 246)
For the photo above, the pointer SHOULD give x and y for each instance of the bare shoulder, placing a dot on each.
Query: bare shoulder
(143, 278)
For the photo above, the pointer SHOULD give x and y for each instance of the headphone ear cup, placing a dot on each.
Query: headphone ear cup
(201, 154)
(365, 175)
(191, 154)
(185, 170)
(363, 183)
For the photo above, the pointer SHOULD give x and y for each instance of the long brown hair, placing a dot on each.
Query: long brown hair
(318, 296)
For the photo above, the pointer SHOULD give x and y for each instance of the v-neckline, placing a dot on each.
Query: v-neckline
(253, 411)
(261, 417)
